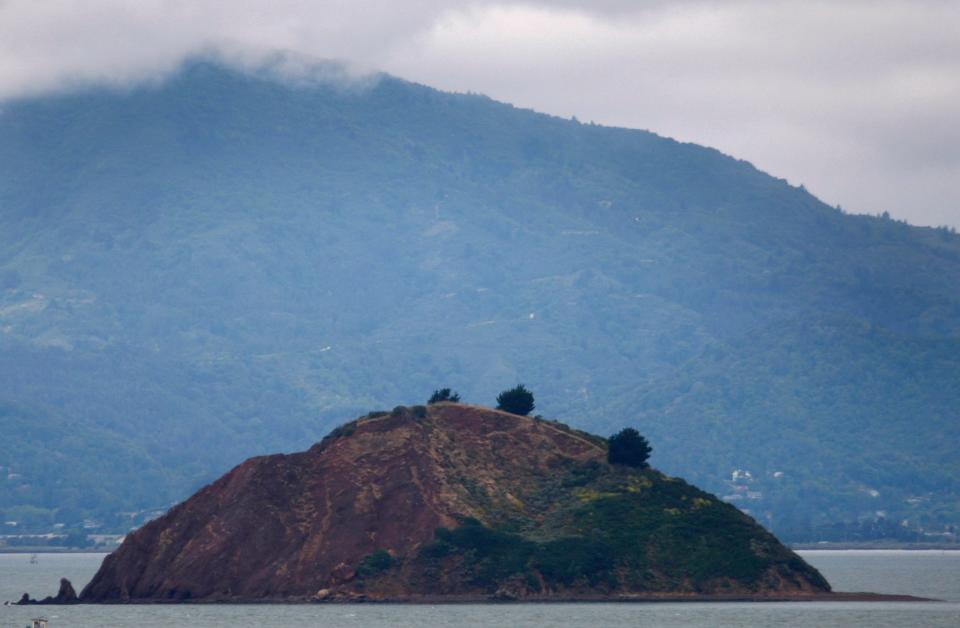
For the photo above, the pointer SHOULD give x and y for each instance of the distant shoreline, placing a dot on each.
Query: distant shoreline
(795, 547)
(876, 545)
(55, 550)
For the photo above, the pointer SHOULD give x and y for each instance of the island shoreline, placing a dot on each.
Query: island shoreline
(494, 599)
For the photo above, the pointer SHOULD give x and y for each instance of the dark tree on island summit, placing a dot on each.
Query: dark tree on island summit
(444, 394)
(627, 447)
(517, 400)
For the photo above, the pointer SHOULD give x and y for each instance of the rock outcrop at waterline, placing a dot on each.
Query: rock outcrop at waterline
(66, 595)
(449, 502)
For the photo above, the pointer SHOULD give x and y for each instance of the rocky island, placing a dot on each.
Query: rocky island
(450, 502)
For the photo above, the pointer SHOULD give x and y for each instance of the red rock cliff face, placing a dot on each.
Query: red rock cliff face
(288, 526)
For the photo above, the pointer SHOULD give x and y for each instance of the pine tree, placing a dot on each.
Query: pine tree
(628, 448)
(517, 400)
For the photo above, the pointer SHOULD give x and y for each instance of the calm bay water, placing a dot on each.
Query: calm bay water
(923, 573)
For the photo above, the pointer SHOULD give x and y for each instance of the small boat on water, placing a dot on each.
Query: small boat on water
(39, 622)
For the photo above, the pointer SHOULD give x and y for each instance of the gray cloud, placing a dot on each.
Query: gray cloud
(857, 100)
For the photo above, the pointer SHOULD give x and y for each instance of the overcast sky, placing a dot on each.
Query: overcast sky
(858, 100)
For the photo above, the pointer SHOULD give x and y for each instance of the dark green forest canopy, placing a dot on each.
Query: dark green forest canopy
(224, 265)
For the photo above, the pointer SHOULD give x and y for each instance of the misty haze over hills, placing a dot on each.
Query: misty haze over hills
(226, 265)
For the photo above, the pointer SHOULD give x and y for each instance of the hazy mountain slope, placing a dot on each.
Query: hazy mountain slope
(223, 264)
(49, 459)
(818, 397)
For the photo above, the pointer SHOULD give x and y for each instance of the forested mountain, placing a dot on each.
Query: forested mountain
(227, 264)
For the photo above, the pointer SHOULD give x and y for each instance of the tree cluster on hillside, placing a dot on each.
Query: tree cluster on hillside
(629, 448)
(443, 394)
(517, 400)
